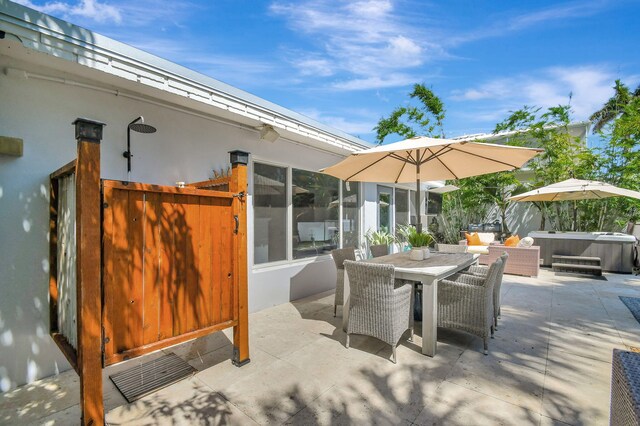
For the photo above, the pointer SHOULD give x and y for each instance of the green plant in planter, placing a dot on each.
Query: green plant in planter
(419, 239)
(379, 237)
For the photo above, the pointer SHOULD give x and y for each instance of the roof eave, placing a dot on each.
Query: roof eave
(52, 36)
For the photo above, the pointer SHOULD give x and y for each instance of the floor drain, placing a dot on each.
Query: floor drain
(144, 379)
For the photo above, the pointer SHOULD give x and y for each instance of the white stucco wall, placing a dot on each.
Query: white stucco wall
(185, 148)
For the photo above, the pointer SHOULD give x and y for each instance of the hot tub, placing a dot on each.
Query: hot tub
(614, 249)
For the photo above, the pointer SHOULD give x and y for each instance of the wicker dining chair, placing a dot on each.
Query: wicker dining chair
(339, 256)
(482, 270)
(466, 303)
(379, 250)
(376, 307)
(452, 248)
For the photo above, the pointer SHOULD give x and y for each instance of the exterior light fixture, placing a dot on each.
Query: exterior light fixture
(139, 126)
(268, 133)
(239, 157)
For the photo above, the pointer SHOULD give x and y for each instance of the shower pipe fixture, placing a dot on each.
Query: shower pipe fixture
(137, 125)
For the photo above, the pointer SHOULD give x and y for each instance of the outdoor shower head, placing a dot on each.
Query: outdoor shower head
(138, 125)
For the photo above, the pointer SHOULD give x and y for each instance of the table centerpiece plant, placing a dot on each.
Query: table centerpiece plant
(420, 242)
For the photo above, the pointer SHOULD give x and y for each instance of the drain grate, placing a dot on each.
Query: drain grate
(151, 376)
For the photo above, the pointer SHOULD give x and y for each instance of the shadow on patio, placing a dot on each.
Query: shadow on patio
(550, 361)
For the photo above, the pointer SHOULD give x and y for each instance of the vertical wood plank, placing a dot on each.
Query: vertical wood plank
(180, 234)
(227, 258)
(53, 255)
(217, 272)
(192, 220)
(204, 301)
(167, 269)
(88, 209)
(136, 253)
(117, 300)
(107, 271)
(151, 259)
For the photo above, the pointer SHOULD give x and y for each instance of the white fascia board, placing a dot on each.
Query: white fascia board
(49, 35)
(582, 126)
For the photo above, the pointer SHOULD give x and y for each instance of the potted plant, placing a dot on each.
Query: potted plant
(373, 238)
(420, 242)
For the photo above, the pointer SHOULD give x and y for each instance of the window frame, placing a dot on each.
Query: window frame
(289, 222)
(288, 210)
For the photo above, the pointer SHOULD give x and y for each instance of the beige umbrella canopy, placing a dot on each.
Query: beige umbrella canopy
(423, 158)
(575, 189)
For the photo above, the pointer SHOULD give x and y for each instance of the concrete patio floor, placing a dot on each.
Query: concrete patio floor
(550, 363)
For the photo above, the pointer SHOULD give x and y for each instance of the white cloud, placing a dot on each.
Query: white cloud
(90, 9)
(315, 66)
(366, 42)
(360, 123)
(588, 86)
(556, 13)
(504, 24)
(495, 89)
(375, 82)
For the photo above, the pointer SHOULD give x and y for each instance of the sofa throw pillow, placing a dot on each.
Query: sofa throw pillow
(526, 242)
(486, 238)
(472, 239)
(512, 241)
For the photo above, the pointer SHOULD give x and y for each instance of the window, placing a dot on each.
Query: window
(402, 207)
(385, 199)
(315, 213)
(269, 213)
(350, 216)
(434, 203)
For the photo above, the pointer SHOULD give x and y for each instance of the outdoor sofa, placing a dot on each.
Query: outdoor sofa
(522, 260)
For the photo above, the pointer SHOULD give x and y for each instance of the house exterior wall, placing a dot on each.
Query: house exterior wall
(185, 148)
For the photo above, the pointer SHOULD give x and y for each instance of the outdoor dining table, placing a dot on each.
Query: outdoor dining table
(426, 272)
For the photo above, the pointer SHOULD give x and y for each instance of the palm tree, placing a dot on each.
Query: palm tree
(614, 106)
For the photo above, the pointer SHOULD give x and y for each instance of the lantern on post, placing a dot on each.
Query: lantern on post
(239, 157)
(89, 130)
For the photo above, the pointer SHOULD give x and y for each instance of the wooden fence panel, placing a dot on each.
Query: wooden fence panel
(172, 266)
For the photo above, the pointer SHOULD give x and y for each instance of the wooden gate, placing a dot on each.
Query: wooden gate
(169, 272)
(171, 265)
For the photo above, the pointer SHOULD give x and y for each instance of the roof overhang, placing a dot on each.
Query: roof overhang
(73, 54)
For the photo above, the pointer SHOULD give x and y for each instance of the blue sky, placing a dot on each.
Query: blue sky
(348, 63)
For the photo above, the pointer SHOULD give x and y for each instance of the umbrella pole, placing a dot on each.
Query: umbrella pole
(418, 215)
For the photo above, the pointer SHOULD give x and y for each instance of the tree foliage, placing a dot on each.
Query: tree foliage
(424, 119)
(615, 106)
(564, 156)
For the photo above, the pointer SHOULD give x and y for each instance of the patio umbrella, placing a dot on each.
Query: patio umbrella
(575, 189)
(424, 158)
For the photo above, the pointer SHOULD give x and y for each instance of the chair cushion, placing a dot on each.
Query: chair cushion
(512, 241)
(525, 242)
(486, 238)
(478, 249)
(472, 239)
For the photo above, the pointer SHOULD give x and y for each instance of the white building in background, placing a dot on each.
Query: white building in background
(53, 72)
(523, 218)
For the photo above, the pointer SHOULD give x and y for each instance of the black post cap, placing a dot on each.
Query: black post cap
(239, 157)
(90, 130)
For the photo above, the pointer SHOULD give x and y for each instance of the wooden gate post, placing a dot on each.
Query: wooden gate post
(238, 185)
(89, 304)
